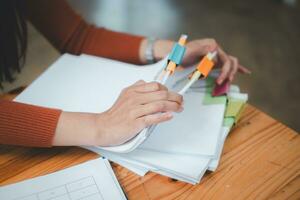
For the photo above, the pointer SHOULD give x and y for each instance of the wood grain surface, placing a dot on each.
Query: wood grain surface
(261, 160)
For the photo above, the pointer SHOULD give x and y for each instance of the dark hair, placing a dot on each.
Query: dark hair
(13, 38)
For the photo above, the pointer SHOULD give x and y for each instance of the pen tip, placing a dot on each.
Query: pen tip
(212, 55)
(184, 36)
(182, 39)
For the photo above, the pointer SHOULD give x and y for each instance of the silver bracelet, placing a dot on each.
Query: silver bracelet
(149, 52)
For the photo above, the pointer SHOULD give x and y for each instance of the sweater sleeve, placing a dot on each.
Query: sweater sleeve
(27, 125)
(69, 33)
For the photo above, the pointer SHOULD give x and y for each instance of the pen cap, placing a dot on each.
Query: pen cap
(171, 67)
(182, 39)
(177, 53)
(205, 66)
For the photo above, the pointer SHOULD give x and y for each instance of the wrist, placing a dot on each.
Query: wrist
(142, 50)
(147, 50)
(162, 48)
(75, 129)
(101, 123)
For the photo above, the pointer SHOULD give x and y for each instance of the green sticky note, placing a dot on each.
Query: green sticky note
(228, 121)
(210, 81)
(234, 107)
(237, 117)
(209, 99)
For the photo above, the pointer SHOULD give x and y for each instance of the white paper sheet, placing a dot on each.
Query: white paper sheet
(181, 167)
(234, 89)
(135, 168)
(238, 96)
(92, 180)
(213, 164)
(82, 84)
(194, 131)
(187, 167)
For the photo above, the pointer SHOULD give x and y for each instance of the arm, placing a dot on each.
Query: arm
(138, 106)
(135, 109)
(27, 125)
(68, 32)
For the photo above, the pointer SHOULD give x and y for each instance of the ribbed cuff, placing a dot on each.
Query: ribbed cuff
(27, 125)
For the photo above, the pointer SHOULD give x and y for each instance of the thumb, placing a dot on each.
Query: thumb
(139, 82)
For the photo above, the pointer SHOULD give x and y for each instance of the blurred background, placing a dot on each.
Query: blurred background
(263, 34)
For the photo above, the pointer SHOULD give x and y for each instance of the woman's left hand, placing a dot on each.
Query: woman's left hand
(196, 49)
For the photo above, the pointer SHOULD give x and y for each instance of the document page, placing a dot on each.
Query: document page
(92, 180)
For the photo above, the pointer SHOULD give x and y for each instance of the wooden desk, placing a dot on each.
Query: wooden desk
(261, 159)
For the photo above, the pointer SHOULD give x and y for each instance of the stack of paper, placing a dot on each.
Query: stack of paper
(190, 144)
(183, 148)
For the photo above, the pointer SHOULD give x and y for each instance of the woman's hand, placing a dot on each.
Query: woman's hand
(137, 107)
(196, 49)
(140, 105)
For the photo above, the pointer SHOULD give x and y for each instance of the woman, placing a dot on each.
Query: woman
(136, 107)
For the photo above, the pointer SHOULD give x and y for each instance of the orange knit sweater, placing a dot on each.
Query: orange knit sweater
(28, 125)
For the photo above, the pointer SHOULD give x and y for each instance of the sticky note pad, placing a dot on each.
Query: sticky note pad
(238, 116)
(228, 121)
(209, 81)
(209, 99)
(234, 107)
(221, 89)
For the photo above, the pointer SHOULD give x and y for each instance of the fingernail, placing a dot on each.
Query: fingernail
(169, 115)
(180, 109)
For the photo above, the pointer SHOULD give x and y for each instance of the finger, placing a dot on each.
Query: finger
(157, 107)
(139, 82)
(131, 87)
(150, 87)
(155, 119)
(243, 70)
(207, 45)
(160, 95)
(222, 56)
(224, 72)
(234, 68)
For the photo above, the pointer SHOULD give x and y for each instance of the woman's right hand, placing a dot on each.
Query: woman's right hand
(138, 106)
